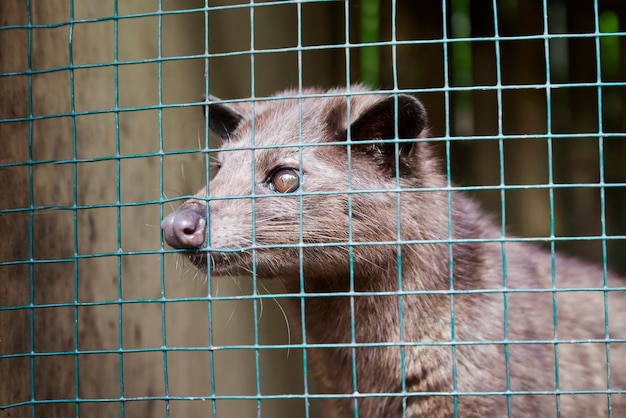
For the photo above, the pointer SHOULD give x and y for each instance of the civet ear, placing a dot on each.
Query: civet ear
(380, 121)
(223, 118)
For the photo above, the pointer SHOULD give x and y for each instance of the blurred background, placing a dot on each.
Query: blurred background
(102, 134)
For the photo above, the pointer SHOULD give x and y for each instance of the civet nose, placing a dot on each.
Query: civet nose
(185, 227)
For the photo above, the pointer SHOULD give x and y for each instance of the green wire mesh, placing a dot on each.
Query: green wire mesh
(99, 318)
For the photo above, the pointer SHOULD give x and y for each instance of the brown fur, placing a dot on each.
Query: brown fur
(443, 341)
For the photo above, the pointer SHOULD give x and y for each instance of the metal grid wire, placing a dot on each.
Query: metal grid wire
(103, 366)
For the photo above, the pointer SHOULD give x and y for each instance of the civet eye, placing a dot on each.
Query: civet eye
(215, 166)
(285, 180)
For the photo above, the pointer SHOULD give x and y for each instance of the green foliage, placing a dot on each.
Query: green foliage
(609, 45)
(370, 32)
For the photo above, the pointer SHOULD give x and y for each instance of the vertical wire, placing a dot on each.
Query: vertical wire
(76, 248)
(394, 69)
(255, 293)
(207, 182)
(118, 204)
(503, 203)
(601, 186)
(301, 216)
(448, 136)
(160, 128)
(31, 212)
(555, 335)
(349, 193)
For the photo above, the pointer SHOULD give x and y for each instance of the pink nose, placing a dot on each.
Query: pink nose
(185, 227)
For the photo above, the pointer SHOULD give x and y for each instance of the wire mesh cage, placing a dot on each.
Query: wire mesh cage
(104, 134)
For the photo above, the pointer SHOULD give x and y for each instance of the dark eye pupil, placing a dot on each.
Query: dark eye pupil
(286, 180)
